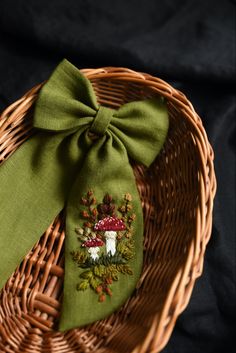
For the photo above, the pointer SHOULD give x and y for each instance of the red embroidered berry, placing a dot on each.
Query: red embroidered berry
(102, 298)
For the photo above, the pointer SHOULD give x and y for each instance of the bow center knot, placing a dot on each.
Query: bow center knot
(102, 120)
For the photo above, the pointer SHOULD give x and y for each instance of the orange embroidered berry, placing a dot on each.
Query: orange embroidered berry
(109, 280)
(84, 214)
(108, 291)
(99, 289)
(84, 201)
(89, 193)
(94, 212)
(102, 298)
(88, 224)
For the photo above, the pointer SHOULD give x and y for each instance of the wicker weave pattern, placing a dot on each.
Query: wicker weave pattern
(177, 197)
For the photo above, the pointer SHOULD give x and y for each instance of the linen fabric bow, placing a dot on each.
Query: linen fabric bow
(60, 166)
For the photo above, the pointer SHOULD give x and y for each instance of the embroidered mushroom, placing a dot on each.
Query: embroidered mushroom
(93, 245)
(110, 225)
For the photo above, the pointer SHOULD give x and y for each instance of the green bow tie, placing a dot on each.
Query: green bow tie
(61, 166)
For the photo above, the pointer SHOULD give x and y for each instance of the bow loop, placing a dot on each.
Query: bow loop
(102, 120)
(68, 102)
(142, 127)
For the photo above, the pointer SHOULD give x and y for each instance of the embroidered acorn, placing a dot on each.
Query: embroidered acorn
(110, 225)
(107, 199)
(93, 245)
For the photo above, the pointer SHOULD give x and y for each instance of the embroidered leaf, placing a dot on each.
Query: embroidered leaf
(86, 274)
(124, 269)
(94, 283)
(79, 230)
(79, 257)
(112, 272)
(83, 285)
(126, 249)
(99, 270)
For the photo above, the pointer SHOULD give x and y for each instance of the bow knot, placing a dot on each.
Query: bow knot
(102, 120)
(67, 103)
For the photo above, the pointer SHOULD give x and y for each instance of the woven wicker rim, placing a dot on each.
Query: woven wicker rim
(113, 87)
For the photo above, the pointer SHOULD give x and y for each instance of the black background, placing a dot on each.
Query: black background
(190, 44)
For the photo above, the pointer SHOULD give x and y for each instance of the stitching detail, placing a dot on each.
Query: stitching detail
(106, 243)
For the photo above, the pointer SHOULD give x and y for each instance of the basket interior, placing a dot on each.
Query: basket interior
(169, 191)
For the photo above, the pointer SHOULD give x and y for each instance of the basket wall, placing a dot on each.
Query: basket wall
(177, 194)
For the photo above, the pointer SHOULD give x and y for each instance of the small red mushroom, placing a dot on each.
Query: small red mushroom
(93, 245)
(93, 242)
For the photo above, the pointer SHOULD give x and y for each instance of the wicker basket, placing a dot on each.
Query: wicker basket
(177, 197)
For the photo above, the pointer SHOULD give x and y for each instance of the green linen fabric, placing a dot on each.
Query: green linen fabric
(59, 166)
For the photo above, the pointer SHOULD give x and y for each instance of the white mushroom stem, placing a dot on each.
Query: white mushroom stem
(110, 242)
(93, 251)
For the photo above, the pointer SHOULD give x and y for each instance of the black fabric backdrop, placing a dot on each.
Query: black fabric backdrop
(191, 44)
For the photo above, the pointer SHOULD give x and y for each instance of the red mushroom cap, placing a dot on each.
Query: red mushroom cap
(92, 243)
(110, 223)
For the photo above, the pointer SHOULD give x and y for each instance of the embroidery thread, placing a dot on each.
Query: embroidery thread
(106, 243)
